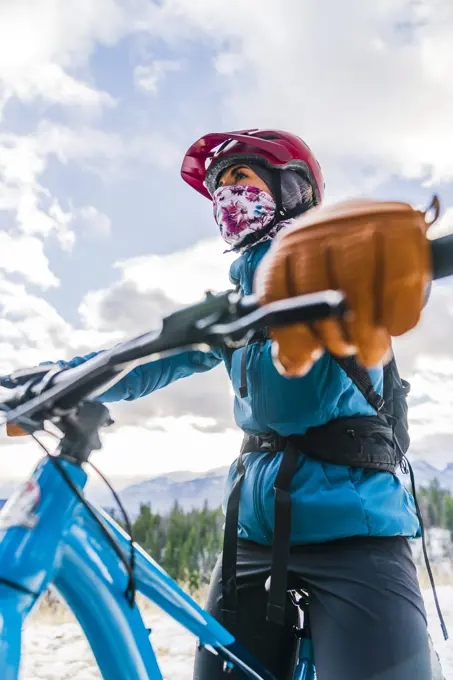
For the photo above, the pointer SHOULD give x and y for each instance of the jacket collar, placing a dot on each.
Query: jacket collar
(242, 270)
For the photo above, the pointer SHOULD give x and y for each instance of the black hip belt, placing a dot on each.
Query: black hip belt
(365, 441)
(356, 442)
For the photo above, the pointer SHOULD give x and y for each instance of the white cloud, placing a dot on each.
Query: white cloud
(78, 143)
(425, 358)
(154, 149)
(24, 255)
(444, 226)
(152, 286)
(29, 205)
(51, 83)
(430, 409)
(148, 77)
(32, 331)
(19, 457)
(227, 63)
(366, 84)
(431, 340)
(62, 220)
(45, 46)
(182, 275)
(136, 450)
(381, 99)
(98, 224)
(45, 50)
(104, 152)
(36, 212)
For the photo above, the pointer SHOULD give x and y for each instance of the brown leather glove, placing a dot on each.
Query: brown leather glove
(376, 252)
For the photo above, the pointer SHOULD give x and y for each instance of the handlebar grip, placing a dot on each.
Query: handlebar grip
(442, 257)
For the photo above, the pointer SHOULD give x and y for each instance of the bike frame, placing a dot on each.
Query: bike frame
(55, 540)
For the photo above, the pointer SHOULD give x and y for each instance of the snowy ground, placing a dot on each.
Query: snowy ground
(60, 652)
(444, 649)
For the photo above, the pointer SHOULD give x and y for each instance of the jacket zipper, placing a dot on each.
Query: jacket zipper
(258, 495)
(251, 352)
(256, 389)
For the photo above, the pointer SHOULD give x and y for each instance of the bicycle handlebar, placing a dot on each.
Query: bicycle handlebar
(442, 257)
(47, 392)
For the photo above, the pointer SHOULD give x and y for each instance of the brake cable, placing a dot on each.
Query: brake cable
(129, 564)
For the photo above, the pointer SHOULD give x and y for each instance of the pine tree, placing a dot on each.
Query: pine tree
(187, 544)
(149, 532)
(448, 514)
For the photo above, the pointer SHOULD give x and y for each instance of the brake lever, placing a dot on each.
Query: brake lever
(28, 383)
(24, 375)
(187, 327)
(327, 304)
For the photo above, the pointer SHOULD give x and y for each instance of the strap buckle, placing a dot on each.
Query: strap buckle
(375, 399)
(266, 444)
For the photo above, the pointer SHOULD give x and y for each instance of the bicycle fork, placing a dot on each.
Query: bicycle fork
(305, 669)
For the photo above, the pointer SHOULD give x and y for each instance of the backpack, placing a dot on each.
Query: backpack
(392, 405)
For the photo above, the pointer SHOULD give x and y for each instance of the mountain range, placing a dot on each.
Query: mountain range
(193, 489)
(190, 489)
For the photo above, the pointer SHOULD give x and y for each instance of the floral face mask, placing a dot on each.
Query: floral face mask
(243, 210)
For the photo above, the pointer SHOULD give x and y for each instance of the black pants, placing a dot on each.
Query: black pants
(367, 614)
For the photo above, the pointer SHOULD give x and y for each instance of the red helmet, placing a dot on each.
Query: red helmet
(213, 153)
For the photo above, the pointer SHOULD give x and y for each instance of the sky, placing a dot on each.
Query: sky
(100, 237)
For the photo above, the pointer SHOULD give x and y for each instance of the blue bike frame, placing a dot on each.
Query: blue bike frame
(61, 543)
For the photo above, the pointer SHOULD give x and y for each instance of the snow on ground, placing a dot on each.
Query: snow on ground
(60, 652)
(444, 649)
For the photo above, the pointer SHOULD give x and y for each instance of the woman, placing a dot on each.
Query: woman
(350, 525)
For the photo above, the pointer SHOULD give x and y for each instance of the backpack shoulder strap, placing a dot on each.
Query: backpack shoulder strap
(361, 379)
(401, 386)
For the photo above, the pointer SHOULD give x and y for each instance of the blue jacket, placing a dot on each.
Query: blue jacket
(329, 501)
